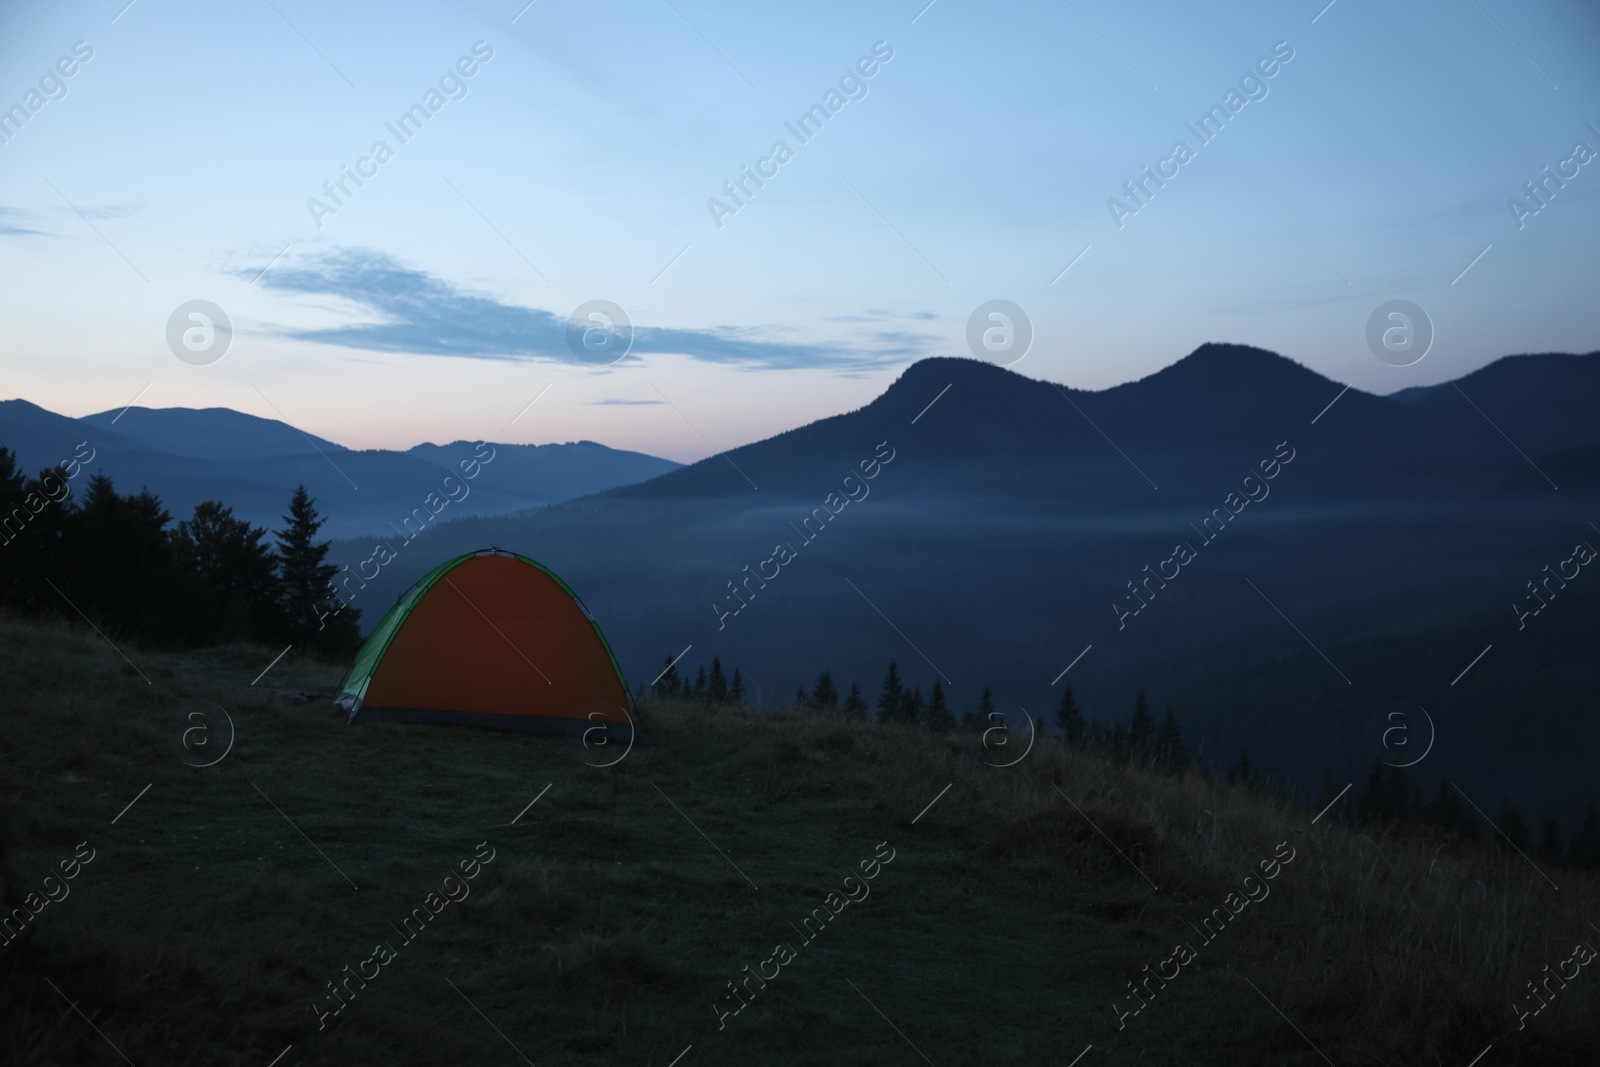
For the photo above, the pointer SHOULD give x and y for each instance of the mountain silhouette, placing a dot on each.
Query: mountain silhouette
(252, 464)
(1001, 540)
(207, 433)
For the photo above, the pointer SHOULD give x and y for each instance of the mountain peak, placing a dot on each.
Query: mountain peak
(1225, 360)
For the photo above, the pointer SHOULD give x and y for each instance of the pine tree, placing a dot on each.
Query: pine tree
(115, 562)
(717, 684)
(854, 706)
(1117, 743)
(1170, 753)
(699, 684)
(1140, 729)
(1511, 825)
(986, 708)
(801, 701)
(1447, 812)
(736, 690)
(939, 720)
(1372, 804)
(1325, 798)
(825, 697)
(911, 707)
(1585, 846)
(1397, 806)
(1243, 773)
(893, 694)
(669, 684)
(24, 545)
(1095, 739)
(313, 616)
(226, 558)
(12, 493)
(1550, 840)
(1070, 719)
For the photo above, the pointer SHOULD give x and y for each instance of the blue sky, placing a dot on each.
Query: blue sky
(577, 163)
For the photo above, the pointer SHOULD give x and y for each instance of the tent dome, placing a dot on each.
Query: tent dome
(493, 639)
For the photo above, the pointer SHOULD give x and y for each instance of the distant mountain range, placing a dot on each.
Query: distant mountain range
(1002, 540)
(1015, 528)
(185, 455)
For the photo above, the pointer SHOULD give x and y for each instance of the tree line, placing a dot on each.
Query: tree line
(1387, 798)
(712, 689)
(1390, 798)
(123, 565)
(1141, 742)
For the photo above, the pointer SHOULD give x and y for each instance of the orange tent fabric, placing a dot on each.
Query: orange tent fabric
(490, 639)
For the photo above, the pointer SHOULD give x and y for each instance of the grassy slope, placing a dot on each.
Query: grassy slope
(607, 926)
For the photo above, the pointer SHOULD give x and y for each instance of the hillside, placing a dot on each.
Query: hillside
(1015, 909)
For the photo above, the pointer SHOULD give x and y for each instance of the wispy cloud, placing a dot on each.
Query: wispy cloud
(13, 221)
(422, 314)
(19, 222)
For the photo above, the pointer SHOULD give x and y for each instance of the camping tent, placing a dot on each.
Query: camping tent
(495, 639)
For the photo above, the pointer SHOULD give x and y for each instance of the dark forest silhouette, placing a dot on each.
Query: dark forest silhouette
(123, 565)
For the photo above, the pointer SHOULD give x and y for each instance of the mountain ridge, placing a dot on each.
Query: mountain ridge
(186, 455)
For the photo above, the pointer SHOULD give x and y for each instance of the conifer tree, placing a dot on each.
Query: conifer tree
(801, 701)
(233, 572)
(911, 707)
(1513, 827)
(1584, 852)
(939, 720)
(1372, 804)
(1140, 729)
(669, 684)
(1170, 753)
(892, 695)
(717, 684)
(1095, 738)
(1243, 773)
(699, 684)
(854, 706)
(1550, 840)
(313, 616)
(1117, 743)
(1069, 719)
(1397, 796)
(115, 562)
(27, 539)
(12, 495)
(1447, 812)
(736, 690)
(1326, 795)
(825, 697)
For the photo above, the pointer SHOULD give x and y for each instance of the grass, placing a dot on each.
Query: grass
(619, 906)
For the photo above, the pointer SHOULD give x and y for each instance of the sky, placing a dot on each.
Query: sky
(585, 156)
